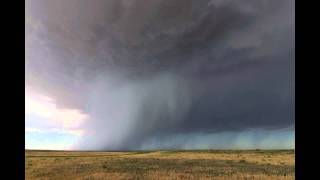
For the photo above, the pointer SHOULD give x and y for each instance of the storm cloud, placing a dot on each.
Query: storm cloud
(149, 70)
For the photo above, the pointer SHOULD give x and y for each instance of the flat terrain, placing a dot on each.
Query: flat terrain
(207, 164)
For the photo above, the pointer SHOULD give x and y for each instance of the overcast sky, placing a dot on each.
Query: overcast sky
(154, 74)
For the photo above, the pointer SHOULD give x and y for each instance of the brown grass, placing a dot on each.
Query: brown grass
(160, 165)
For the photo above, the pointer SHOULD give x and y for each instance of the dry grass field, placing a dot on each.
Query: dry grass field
(207, 164)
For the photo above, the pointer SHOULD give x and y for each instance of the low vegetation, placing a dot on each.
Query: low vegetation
(208, 164)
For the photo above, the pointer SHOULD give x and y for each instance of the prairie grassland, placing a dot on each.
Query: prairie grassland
(204, 164)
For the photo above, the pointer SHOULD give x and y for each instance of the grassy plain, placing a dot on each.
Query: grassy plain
(198, 164)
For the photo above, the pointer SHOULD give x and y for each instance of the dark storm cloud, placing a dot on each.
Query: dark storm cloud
(179, 66)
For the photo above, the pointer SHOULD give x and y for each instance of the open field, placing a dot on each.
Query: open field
(204, 164)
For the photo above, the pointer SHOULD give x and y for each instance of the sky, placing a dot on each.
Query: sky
(156, 74)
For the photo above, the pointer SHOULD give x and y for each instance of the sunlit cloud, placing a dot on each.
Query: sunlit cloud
(54, 120)
(75, 132)
(46, 107)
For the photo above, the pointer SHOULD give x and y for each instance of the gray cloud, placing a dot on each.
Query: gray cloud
(142, 68)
